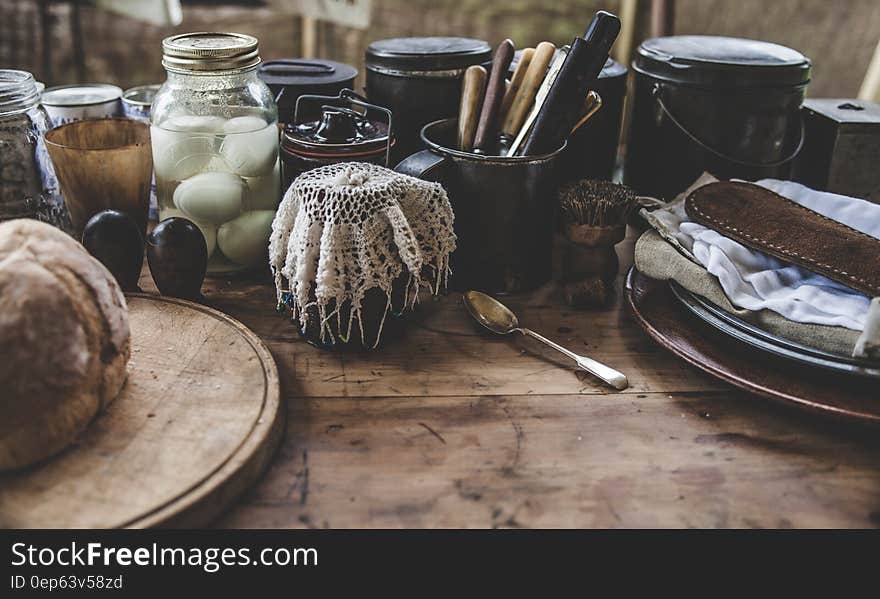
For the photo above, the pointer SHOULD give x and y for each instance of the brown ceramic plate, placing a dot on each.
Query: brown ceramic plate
(823, 392)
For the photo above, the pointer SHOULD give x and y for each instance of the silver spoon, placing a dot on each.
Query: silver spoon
(498, 318)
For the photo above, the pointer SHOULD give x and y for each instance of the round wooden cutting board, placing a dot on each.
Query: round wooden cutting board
(196, 423)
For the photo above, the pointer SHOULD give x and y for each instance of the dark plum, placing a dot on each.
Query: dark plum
(178, 257)
(116, 241)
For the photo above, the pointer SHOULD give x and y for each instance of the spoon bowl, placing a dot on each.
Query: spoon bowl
(490, 313)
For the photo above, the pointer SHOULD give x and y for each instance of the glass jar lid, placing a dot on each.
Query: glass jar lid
(210, 51)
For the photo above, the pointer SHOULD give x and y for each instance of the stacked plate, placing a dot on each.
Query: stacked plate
(761, 339)
(752, 359)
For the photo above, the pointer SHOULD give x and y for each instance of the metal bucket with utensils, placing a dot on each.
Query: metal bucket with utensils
(504, 210)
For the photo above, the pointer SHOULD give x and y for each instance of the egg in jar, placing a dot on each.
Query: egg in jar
(215, 145)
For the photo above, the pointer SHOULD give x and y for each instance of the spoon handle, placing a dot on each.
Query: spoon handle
(609, 375)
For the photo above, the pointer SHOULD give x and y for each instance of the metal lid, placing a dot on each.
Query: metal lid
(309, 73)
(711, 61)
(612, 69)
(86, 94)
(338, 131)
(210, 51)
(427, 53)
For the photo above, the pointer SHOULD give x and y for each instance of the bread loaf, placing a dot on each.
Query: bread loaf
(65, 341)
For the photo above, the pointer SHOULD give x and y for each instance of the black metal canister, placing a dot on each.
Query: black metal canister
(339, 134)
(724, 105)
(592, 148)
(289, 78)
(419, 79)
(503, 211)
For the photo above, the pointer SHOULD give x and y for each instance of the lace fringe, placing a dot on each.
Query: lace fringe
(440, 280)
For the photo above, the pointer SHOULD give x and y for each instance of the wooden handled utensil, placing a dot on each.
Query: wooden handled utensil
(469, 107)
(592, 104)
(540, 97)
(525, 59)
(487, 128)
(532, 80)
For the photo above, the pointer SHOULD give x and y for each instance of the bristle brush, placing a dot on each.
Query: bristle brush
(594, 215)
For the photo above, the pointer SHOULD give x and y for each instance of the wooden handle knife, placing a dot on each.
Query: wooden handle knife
(487, 129)
(534, 76)
(525, 59)
(469, 108)
(540, 98)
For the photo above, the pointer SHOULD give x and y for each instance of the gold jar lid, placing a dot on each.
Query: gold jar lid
(210, 51)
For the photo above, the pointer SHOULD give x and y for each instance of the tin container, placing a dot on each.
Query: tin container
(504, 211)
(290, 78)
(136, 103)
(68, 103)
(592, 149)
(419, 79)
(842, 148)
(339, 134)
(724, 105)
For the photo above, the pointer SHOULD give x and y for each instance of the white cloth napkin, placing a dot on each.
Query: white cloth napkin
(755, 281)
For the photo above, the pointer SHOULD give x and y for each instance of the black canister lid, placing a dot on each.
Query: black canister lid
(311, 75)
(709, 61)
(611, 69)
(337, 131)
(427, 53)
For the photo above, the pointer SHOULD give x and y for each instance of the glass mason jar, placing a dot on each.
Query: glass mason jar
(28, 186)
(214, 129)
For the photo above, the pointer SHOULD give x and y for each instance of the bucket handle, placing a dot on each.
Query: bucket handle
(354, 99)
(657, 93)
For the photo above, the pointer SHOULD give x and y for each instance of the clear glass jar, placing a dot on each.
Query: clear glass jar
(28, 186)
(214, 128)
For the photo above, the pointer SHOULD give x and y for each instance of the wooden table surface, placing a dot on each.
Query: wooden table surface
(451, 427)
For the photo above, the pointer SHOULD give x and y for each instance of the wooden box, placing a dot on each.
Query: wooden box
(841, 150)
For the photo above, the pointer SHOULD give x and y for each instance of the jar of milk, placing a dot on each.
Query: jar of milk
(215, 146)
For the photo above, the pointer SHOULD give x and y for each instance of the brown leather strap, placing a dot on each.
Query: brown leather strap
(770, 223)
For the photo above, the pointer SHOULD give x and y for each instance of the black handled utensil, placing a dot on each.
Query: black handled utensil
(582, 66)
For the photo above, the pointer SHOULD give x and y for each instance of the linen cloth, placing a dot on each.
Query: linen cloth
(755, 282)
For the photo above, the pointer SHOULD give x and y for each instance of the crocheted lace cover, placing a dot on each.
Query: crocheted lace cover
(343, 229)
